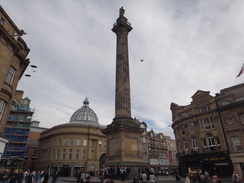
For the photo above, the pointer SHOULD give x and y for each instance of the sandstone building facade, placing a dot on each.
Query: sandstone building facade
(230, 103)
(204, 138)
(13, 63)
(78, 144)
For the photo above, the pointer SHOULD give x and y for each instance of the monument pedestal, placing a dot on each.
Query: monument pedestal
(124, 145)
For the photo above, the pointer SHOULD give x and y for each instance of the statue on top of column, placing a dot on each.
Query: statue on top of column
(121, 11)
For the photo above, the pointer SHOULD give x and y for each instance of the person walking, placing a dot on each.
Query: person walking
(13, 177)
(46, 176)
(144, 177)
(38, 177)
(152, 178)
(29, 177)
(235, 177)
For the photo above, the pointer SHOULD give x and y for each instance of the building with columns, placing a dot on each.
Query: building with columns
(79, 144)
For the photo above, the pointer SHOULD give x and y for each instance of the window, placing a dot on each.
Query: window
(236, 143)
(77, 154)
(182, 127)
(100, 143)
(207, 123)
(84, 154)
(71, 142)
(10, 76)
(203, 109)
(53, 154)
(204, 143)
(225, 102)
(63, 155)
(58, 154)
(191, 127)
(230, 120)
(85, 142)
(78, 142)
(1, 21)
(185, 145)
(70, 153)
(239, 99)
(65, 142)
(241, 116)
(59, 142)
(2, 107)
(210, 140)
(194, 143)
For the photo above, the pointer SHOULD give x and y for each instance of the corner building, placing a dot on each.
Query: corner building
(231, 109)
(13, 63)
(199, 136)
(78, 144)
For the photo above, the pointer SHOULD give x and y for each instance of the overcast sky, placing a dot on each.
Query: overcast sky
(186, 46)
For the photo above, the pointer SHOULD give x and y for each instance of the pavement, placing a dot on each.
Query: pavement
(161, 179)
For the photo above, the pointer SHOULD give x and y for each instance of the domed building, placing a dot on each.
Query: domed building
(79, 144)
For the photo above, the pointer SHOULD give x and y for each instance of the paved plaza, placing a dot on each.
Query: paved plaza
(163, 179)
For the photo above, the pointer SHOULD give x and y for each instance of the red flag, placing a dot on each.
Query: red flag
(241, 71)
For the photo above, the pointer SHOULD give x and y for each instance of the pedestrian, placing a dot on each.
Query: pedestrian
(187, 179)
(29, 177)
(78, 176)
(38, 177)
(203, 180)
(135, 180)
(13, 177)
(152, 178)
(45, 176)
(235, 177)
(101, 176)
(55, 177)
(87, 176)
(206, 175)
(5, 176)
(144, 177)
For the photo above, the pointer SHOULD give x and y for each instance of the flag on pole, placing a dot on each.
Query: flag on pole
(241, 71)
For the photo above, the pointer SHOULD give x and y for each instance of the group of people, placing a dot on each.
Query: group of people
(109, 174)
(24, 176)
(82, 176)
(205, 178)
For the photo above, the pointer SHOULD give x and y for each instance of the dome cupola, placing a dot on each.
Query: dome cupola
(85, 115)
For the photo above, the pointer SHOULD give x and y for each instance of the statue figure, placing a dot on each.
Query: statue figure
(121, 11)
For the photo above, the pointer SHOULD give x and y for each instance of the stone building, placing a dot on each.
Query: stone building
(172, 151)
(230, 103)
(78, 144)
(200, 139)
(161, 157)
(13, 63)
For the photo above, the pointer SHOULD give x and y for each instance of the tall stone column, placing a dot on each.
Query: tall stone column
(123, 135)
(122, 97)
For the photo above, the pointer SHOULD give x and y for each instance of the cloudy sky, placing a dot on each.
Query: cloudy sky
(186, 46)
